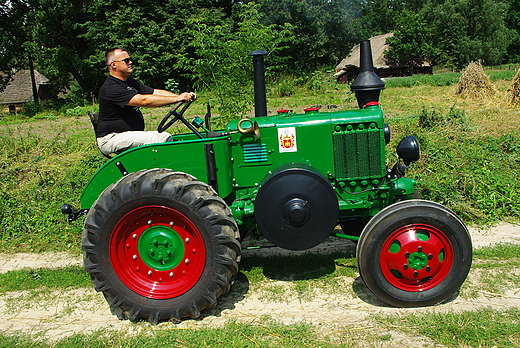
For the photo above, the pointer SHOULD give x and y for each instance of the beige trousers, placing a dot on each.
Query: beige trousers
(119, 142)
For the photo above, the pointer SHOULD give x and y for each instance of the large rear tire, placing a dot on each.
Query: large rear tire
(414, 253)
(160, 245)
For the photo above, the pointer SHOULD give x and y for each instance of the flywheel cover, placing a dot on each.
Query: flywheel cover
(296, 209)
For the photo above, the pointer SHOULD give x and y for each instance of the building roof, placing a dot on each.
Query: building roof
(379, 49)
(19, 89)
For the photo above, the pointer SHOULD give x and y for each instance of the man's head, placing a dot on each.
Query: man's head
(119, 63)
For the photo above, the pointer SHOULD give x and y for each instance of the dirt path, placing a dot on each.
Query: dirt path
(61, 314)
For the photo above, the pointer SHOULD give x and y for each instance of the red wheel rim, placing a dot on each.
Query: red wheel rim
(416, 257)
(157, 252)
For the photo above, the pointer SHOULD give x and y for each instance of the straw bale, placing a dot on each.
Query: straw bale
(474, 83)
(513, 92)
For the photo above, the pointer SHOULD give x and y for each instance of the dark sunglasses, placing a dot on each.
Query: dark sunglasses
(126, 60)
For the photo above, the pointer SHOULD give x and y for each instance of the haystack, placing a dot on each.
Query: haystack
(513, 92)
(474, 83)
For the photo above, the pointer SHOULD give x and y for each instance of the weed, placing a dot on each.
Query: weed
(483, 327)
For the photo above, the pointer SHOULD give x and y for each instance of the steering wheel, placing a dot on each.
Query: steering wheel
(166, 122)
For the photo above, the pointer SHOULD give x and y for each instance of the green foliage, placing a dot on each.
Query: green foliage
(30, 109)
(474, 175)
(324, 31)
(431, 119)
(221, 61)
(172, 85)
(35, 181)
(411, 44)
(465, 31)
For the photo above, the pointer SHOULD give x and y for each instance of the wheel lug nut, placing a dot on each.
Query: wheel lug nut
(149, 273)
(187, 261)
(428, 268)
(172, 224)
(134, 257)
(134, 236)
(187, 240)
(419, 249)
(171, 274)
(149, 222)
(407, 254)
(405, 267)
(430, 256)
(415, 274)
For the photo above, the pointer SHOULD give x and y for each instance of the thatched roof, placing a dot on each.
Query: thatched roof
(19, 89)
(379, 48)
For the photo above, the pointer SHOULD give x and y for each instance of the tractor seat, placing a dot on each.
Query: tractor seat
(94, 120)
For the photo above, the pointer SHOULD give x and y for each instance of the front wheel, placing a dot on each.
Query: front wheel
(160, 245)
(414, 253)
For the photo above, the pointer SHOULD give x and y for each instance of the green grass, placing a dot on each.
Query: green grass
(233, 335)
(483, 327)
(44, 278)
(502, 255)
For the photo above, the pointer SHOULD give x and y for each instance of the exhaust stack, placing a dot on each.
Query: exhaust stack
(259, 83)
(367, 84)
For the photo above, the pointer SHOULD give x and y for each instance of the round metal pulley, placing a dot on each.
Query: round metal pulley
(296, 209)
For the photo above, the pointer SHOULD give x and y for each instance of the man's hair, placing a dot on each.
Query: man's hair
(110, 54)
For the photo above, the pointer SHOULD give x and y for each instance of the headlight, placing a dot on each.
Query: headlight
(408, 150)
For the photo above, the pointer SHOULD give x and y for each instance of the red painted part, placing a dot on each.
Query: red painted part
(139, 277)
(372, 103)
(311, 109)
(426, 278)
(282, 111)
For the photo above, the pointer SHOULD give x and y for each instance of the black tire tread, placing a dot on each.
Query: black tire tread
(367, 251)
(197, 196)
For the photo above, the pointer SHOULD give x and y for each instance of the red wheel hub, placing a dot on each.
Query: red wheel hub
(416, 257)
(157, 252)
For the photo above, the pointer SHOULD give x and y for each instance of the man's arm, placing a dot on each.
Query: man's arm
(160, 98)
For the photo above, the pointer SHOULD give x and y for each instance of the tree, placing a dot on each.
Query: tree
(219, 55)
(513, 23)
(467, 30)
(324, 30)
(13, 38)
(411, 44)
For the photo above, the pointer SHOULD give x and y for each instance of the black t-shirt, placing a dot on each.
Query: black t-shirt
(114, 115)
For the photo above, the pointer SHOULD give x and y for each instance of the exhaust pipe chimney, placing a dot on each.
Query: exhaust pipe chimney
(367, 84)
(259, 83)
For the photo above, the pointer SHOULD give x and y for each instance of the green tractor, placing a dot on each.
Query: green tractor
(163, 223)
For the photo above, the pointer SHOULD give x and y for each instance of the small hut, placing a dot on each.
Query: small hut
(348, 68)
(19, 90)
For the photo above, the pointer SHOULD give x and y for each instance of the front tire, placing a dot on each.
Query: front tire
(160, 245)
(414, 253)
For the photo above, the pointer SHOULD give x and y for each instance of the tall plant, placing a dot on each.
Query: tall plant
(220, 60)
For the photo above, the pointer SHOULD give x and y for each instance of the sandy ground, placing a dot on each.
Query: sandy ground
(60, 314)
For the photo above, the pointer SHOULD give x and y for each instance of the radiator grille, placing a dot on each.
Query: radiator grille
(357, 154)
